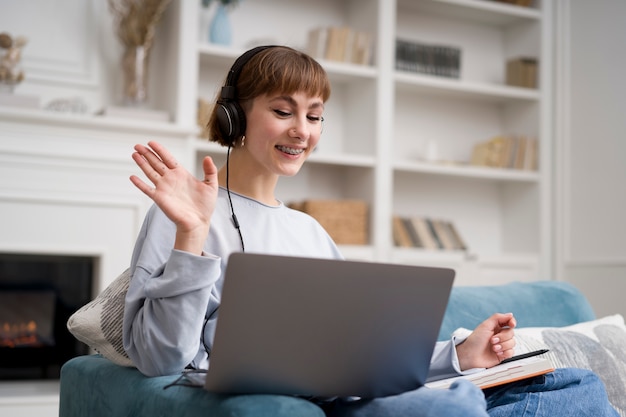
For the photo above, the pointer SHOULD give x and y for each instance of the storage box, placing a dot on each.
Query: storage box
(346, 221)
(522, 72)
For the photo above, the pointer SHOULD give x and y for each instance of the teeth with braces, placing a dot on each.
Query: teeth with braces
(290, 151)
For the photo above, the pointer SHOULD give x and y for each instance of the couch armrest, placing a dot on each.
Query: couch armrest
(94, 386)
(535, 304)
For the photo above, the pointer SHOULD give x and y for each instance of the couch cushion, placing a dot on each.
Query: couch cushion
(98, 324)
(539, 303)
(597, 345)
(94, 386)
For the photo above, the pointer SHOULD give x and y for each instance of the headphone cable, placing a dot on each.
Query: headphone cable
(230, 201)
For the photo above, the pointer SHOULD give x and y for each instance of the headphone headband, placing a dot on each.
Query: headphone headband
(230, 116)
(239, 63)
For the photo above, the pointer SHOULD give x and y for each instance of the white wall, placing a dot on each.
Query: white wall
(590, 153)
(591, 150)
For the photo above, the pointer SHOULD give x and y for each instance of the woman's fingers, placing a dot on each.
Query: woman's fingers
(145, 160)
(143, 187)
(154, 160)
(164, 155)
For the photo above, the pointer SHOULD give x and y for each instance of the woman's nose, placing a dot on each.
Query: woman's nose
(300, 130)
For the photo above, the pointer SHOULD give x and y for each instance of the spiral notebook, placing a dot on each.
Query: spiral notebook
(501, 374)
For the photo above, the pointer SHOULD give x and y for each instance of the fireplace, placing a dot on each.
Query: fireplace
(38, 293)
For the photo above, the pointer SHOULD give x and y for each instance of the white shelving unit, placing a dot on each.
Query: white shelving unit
(379, 121)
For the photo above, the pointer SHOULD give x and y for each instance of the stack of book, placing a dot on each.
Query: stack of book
(507, 152)
(340, 43)
(426, 233)
(439, 60)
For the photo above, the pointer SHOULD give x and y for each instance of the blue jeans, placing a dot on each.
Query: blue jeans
(564, 392)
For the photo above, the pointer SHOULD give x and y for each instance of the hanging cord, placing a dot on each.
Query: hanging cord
(230, 201)
(243, 249)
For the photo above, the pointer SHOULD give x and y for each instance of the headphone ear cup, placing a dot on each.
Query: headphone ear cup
(231, 120)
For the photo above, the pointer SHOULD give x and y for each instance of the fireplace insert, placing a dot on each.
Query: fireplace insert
(38, 293)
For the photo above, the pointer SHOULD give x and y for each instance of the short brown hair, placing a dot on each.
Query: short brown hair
(278, 69)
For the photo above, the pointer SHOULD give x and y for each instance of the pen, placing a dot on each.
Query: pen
(525, 355)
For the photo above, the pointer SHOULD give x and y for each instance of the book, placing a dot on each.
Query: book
(506, 152)
(433, 231)
(530, 156)
(340, 43)
(317, 41)
(401, 235)
(443, 234)
(361, 48)
(415, 238)
(459, 244)
(438, 60)
(520, 152)
(501, 374)
(336, 43)
(423, 231)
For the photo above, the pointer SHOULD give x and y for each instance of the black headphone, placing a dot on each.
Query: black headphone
(231, 118)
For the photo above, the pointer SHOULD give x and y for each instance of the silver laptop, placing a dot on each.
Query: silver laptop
(319, 327)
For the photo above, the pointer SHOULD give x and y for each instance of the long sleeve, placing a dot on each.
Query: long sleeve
(444, 362)
(173, 297)
(166, 301)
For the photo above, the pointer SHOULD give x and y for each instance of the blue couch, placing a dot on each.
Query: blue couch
(94, 386)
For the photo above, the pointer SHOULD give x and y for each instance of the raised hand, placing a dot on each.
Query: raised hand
(185, 200)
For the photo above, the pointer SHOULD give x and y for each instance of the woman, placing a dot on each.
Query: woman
(269, 115)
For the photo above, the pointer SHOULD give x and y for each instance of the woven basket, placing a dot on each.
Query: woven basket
(346, 221)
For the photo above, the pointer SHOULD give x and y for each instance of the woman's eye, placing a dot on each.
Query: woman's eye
(315, 118)
(282, 113)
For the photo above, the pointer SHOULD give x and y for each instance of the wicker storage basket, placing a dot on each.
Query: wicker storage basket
(346, 221)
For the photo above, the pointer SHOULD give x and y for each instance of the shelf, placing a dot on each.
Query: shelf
(429, 256)
(343, 160)
(357, 252)
(443, 257)
(348, 160)
(337, 71)
(342, 72)
(501, 210)
(218, 54)
(479, 11)
(90, 121)
(427, 84)
(468, 171)
(204, 145)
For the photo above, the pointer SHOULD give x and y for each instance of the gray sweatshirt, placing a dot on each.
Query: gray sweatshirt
(169, 316)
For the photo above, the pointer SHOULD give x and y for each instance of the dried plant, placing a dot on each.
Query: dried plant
(137, 19)
(136, 22)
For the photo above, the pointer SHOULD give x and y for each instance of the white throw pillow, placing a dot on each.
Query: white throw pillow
(598, 345)
(98, 324)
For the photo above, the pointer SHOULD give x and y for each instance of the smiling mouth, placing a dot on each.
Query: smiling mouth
(290, 151)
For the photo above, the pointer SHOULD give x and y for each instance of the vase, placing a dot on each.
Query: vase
(205, 24)
(220, 32)
(7, 87)
(135, 68)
